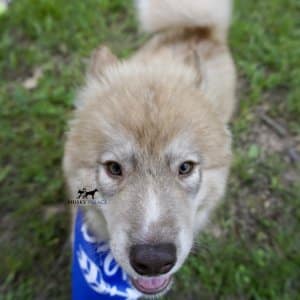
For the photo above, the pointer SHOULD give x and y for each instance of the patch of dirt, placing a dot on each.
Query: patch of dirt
(255, 202)
(272, 137)
(267, 139)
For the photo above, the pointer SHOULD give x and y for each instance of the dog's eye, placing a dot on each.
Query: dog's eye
(186, 168)
(114, 168)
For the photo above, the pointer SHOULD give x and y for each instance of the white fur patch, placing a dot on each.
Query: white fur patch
(152, 210)
(161, 14)
(192, 181)
(212, 190)
(181, 149)
(121, 150)
(185, 241)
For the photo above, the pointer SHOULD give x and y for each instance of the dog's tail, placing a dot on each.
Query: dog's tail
(157, 15)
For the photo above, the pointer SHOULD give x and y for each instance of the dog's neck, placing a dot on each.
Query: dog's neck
(95, 273)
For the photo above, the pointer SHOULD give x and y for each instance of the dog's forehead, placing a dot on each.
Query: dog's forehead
(151, 119)
(126, 146)
(155, 134)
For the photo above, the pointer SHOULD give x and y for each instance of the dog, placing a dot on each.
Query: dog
(90, 193)
(81, 193)
(151, 133)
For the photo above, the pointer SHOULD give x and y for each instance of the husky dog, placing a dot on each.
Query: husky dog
(150, 133)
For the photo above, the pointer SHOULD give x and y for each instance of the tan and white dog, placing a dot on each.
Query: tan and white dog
(150, 133)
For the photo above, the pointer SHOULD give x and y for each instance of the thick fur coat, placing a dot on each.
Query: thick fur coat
(166, 105)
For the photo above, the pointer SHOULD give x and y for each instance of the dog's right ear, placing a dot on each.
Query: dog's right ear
(101, 58)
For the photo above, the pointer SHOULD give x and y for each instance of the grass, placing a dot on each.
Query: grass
(251, 250)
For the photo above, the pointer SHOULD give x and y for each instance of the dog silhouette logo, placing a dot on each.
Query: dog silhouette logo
(81, 193)
(84, 194)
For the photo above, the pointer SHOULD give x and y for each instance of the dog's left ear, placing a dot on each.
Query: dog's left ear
(101, 58)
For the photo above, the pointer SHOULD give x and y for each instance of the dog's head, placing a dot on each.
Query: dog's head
(147, 138)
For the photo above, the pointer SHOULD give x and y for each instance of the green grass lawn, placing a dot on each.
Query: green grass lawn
(252, 248)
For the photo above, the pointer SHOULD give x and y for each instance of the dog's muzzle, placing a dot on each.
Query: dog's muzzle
(152, 262)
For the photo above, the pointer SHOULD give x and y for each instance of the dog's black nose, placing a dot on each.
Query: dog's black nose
(152, 260)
